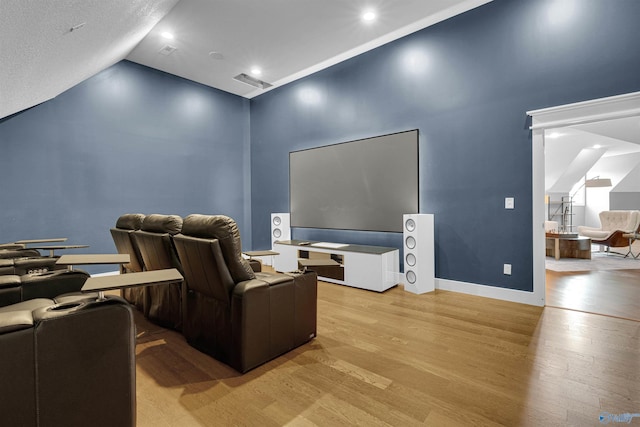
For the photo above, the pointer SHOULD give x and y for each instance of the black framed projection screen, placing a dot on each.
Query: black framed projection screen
(366, 184)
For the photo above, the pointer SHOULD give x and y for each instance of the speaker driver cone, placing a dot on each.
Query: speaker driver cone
(410, 242)
(411, 260)
(410, 225)
(411, 277)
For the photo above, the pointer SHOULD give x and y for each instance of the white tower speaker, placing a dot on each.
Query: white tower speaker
(417, 237)
(280, 227)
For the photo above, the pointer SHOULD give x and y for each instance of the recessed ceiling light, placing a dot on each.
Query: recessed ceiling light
(369, 16)
(554, 135)
(167, 35)
(256, 71)
(597, 146)
(216, 55)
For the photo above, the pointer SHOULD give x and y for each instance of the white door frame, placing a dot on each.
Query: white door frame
(614, 107)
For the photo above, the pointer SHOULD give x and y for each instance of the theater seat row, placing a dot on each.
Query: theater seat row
(224, 308)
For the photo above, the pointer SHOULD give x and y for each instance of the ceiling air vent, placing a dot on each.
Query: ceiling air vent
(167, 50)
(244, 78)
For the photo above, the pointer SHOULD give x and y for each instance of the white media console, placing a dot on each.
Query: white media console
(368, 267)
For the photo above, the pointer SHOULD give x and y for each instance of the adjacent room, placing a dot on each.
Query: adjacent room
(319, 212)
(592, 185)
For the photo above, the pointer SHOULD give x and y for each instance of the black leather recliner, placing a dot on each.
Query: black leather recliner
(121, 234)
(69, 364)
(163, 303)
(239, 317)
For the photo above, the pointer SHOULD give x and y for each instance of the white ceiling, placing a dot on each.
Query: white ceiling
(42, 56)
(286, 39)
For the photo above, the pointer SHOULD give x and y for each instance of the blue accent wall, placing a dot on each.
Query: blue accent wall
(130, 139)
(466, 84)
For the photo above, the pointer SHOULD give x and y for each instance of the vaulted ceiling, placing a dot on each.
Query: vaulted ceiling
(608, 149)
(47, 47)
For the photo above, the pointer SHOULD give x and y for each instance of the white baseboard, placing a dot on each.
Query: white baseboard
(505, 294)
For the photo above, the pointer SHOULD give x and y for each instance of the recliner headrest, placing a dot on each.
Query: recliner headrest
(130, 221)
(226, 230)
(157, 223)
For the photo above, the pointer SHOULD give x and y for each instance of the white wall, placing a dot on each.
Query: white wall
(597, 200)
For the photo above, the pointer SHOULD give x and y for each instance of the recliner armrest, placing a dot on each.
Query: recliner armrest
(9, 281)
(262, 281)
(243, 288)
(12, 321)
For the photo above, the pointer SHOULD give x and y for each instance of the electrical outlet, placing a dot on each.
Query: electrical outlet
(507, 269)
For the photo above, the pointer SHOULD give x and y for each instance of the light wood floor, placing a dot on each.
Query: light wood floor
(611, 293)
(398, 359)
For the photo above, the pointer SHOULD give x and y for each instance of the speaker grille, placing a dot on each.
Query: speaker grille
(277, 233)
(277, 220)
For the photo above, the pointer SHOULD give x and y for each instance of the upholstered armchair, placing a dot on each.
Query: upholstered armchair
(163, 303)
(613, 224)
(121, 234)
(240, 317)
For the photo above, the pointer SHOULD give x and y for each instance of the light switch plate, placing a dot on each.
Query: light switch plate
(509, 202)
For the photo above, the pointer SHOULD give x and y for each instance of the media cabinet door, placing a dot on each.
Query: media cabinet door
(374, 272)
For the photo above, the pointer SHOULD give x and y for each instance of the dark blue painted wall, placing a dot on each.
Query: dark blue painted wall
(130, 139)
(466, 83)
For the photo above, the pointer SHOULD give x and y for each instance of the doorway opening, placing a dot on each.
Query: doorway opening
(602, 291)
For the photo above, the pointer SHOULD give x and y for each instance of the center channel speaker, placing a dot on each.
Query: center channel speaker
(417, 237)
(280, 227)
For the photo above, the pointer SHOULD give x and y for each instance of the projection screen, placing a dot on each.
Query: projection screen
(366, 184)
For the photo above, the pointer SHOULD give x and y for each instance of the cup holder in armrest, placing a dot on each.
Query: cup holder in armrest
(59, 310)
(67, 306)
